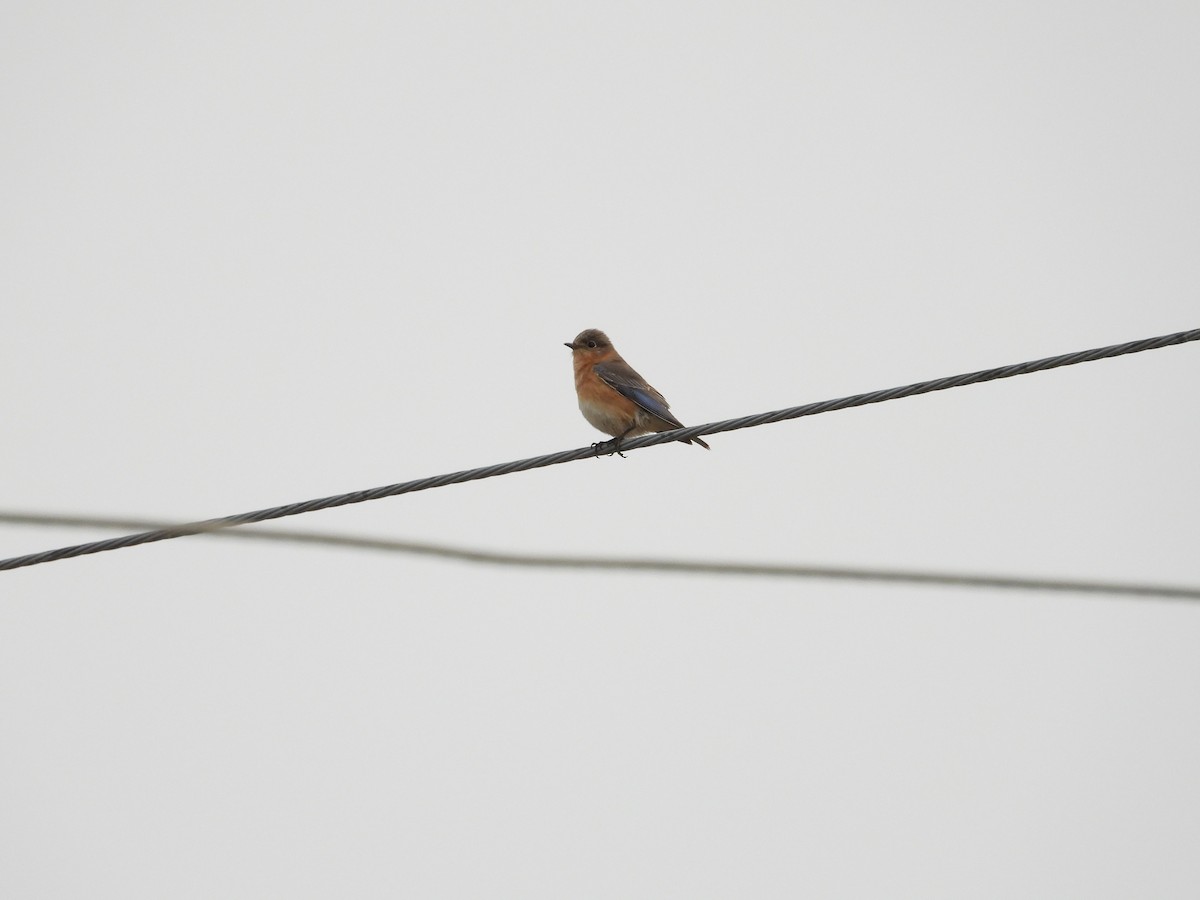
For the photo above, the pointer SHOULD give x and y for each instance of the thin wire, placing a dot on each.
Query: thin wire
(640, 564)
(552, 459)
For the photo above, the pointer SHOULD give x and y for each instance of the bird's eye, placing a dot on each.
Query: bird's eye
(592, 344)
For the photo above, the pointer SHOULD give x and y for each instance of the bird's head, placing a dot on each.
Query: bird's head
(592, 342)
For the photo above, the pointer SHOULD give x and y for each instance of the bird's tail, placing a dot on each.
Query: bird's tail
(700, 442)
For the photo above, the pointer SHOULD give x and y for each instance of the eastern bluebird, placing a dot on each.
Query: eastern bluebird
(613, 397)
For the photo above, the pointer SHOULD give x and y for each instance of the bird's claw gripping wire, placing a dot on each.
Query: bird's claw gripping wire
(613, 446)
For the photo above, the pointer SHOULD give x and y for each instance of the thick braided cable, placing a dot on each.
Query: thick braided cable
(552, 459)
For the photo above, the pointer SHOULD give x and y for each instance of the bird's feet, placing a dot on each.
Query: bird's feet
(611, 447)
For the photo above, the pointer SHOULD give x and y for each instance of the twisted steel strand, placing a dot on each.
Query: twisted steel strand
(537, 462)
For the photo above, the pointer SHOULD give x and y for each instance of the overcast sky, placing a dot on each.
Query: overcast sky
(255, 253)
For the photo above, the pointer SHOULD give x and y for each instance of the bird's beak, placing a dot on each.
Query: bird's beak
(571, 345)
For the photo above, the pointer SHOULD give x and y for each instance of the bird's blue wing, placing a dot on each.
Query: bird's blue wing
(621, 377)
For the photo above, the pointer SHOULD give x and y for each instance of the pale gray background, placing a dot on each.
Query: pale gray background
(261, 252)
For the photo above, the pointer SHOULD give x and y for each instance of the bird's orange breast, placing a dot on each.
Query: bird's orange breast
(594, 392)
(604, 407)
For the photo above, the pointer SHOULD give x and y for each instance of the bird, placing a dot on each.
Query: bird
(612, 396)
